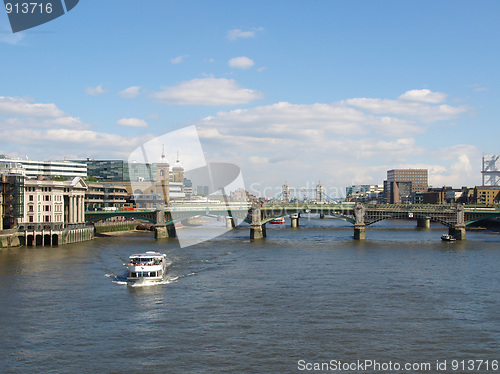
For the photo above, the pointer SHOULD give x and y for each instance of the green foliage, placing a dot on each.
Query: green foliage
(59, 178)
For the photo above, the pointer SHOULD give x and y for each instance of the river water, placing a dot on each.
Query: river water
(301, 299)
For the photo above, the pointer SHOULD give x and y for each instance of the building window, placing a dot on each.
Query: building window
(30, 197)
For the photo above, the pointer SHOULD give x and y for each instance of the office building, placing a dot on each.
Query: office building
(364, 192)
(489, 195)
(401, 183)
(34, 169)
(105, 195)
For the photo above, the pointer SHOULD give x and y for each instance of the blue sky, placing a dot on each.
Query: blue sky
(337, 91)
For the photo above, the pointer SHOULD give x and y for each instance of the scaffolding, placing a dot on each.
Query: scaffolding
(491, 170)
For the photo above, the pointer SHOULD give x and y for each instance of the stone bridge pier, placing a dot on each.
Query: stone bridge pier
(458, 230)
(359, 225)
(424, 222)
(162, 230)
(230, 224)
(257, 229)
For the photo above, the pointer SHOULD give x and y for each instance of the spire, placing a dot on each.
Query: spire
(178, 163)
(163, 159)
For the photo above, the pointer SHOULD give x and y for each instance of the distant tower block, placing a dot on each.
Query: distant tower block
(286, 193)
(319, 192)
(491, 170)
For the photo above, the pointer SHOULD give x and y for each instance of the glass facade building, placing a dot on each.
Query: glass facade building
(120, 171)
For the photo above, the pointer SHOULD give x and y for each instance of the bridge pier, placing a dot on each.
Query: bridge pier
(165, 231)
(257, 229)
(458, 232)
(359, 225)
(359, 231)
(424, 222)
(162, 230)
(230, 222)
(295, 220)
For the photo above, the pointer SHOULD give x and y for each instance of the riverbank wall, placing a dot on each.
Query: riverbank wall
(45, 236)
(9, 238)
(104, 227)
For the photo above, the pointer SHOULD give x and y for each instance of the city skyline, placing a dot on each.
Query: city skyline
(338, 92)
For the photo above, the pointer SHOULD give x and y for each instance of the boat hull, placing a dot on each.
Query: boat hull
(448, 238)
(277, 221)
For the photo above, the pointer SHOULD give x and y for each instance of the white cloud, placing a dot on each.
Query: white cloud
(424, 96)
(96, 91)
(347, 142)
(478, 87)
(207, 91)
(241, 62)
(56, 143)
(415, 109)
(132, 122)
(178, 59)
(341, 143)
(43, 131)
(236, 34)
(287, 120)
(22, 107)
(130, 92)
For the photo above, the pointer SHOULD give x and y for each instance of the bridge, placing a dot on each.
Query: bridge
(455, 216)
(165, 218)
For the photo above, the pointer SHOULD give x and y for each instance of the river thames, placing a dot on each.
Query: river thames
(301, 299)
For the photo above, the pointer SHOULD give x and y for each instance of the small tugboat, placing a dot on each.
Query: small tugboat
(149, 267)
(277, 221)
(448, 238)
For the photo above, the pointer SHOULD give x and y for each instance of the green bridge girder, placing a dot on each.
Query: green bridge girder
(445, 214)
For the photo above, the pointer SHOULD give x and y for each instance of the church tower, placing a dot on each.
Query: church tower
(178, 171)
(162, 177)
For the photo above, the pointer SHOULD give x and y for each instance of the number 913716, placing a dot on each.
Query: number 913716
(25, 8)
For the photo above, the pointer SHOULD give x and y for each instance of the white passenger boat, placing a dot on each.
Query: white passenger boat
(147, 267)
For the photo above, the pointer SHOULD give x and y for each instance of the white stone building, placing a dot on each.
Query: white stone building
(50, 204)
